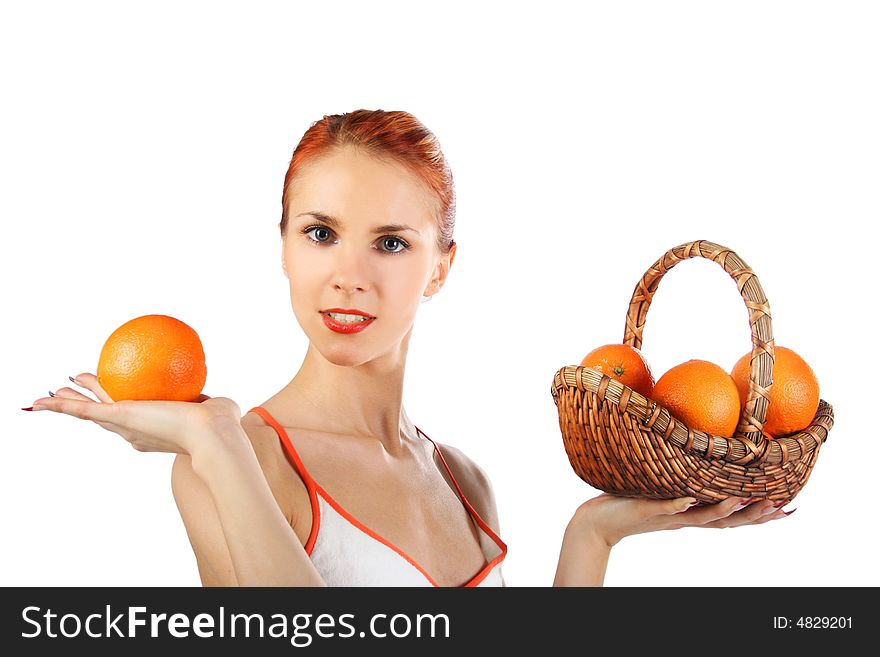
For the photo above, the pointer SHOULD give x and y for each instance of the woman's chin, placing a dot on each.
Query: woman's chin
(345, 356)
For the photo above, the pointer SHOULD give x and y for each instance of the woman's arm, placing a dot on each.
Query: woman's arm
(583, 557)
(259, 547)
(203, 528)
(600, 523)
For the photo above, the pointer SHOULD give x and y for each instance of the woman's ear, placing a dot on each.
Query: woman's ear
(441, 271)
(283, 264)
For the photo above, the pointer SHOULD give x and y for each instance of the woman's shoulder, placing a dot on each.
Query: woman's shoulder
(474, 483)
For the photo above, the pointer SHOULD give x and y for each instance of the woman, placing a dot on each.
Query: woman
(329, 481)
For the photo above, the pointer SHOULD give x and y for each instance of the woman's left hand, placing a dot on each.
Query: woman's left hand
(148, 426)
(611, 518)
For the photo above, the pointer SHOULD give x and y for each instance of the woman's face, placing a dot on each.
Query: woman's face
(361, 237)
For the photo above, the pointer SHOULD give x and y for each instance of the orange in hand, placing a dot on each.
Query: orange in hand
(702, 395)
(153, 357)
(624, 363)
(794, 395)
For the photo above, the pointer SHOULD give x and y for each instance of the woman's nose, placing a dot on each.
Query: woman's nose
(350, 274)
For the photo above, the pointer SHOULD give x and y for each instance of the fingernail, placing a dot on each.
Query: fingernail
(72, 379)
(788, 513)
(692, 501)
(770, 509)
(29, 408)
(782, 503)
(51, 394)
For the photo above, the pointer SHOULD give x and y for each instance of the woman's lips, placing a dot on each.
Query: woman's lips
(345, 327)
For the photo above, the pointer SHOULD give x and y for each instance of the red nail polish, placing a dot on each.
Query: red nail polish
(29, 408)
(788, 513)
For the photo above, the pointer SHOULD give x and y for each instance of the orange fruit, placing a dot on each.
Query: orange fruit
(794, 395)
(702, 395)
(153, 357)
(624, 363)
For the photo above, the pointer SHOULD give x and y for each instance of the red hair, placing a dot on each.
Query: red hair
(396, 135)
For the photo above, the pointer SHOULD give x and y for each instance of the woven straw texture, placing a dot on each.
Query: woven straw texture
(623, 443)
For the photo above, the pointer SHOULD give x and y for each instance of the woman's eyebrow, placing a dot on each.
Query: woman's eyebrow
(394, 228)
(333, 222)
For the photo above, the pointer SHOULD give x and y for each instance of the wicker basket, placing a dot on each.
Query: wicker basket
(623, 443)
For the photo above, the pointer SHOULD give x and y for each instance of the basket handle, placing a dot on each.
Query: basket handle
(752, 417)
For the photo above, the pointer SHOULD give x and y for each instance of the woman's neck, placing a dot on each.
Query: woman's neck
(364, 400)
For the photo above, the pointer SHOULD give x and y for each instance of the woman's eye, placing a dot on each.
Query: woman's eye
(392, 245)
(319, 233)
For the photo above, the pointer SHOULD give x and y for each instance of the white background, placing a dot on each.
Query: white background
(143, 149)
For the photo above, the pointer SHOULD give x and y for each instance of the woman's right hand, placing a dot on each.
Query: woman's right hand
(149, 426)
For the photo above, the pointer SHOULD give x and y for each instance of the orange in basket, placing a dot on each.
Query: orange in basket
(794, 395)
(624, 363)
(702, 394)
